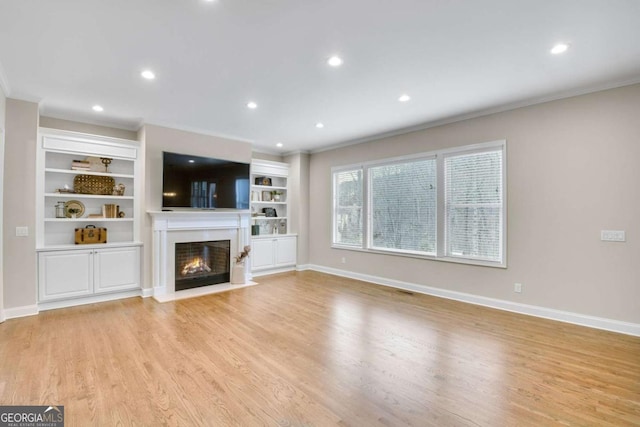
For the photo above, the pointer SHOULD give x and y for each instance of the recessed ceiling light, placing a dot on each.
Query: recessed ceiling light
(98, 108)
(252, 105)
(148, 74)
(191, 161)
(404, 98)
(559, 48)
(319, 125)
(279, 144)
(335, 61)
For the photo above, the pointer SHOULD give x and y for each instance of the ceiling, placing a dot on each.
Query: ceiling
(454, 58)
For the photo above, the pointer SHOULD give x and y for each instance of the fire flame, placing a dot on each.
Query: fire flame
(196, 266)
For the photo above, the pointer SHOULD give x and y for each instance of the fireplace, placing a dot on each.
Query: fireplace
(202, 264)
(174, 227)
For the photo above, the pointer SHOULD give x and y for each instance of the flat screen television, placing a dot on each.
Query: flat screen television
(204, 182)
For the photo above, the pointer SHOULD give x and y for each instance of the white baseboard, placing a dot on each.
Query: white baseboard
(15, 312)
(531, 310)
(272, 271)
(146, 292)
(52, 305)
(303, 267)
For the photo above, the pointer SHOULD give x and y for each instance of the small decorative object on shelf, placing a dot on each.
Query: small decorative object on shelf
(275, 195)
(106, 161)
(90, 234)
(110, 210)
(81, 165)
(90, 184)
(74, 209)
(60, 210)
(118, 189)
(263, 180)
(65, 189)
(270, 212)
(237, 273)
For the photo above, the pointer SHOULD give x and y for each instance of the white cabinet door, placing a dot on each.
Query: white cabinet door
(65, 274)
(261, 254)
(285, 251)
(116, 269)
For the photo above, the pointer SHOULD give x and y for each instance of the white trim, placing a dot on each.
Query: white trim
(4, 83)
(146, 292)
(15, 312)
(303, 267)
(530, 310)
(163, 296)
(52, 305)
(268, 271)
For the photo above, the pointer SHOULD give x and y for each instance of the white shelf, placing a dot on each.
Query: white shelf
(268, 217)
(88, 219)
(87, 196)
(267, 187)
(79, 172)
(269, 203)
(92, 246)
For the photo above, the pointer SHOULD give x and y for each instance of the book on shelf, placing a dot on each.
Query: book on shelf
(80, 165)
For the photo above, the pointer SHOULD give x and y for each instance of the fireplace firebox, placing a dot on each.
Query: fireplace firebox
(202, 264)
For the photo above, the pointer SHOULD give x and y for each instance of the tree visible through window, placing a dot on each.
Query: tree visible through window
(403, 206)
(348, 191)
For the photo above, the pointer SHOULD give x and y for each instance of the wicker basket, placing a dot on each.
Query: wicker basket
(90, 184)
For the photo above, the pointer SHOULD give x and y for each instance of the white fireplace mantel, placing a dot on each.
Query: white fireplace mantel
(171, 227)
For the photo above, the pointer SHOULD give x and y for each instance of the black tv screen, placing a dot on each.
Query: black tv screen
(204, 182)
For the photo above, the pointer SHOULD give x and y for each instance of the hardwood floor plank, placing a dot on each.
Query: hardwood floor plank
(310, 349)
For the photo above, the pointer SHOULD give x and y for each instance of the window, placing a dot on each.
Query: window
(348, 192)
(403, 206)
(473, 205)
(445, 205)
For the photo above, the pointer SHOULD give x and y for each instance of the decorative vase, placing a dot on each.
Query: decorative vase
(237, 274)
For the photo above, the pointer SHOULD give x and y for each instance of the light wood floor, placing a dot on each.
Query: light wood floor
(309, 349)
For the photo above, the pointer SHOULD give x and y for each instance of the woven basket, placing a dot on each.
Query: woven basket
(89, 184)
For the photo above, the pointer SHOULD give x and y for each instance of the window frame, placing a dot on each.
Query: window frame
(441, 219)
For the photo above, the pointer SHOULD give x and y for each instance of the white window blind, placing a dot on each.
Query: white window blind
(474, 205)
(403, 206)
(348, 198)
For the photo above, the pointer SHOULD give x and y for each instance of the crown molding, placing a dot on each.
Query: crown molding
(4, 83)
(483, 112)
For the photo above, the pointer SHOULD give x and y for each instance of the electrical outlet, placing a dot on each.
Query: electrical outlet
(344, 260)
(517, 287)
(613, 236)
(22, 231)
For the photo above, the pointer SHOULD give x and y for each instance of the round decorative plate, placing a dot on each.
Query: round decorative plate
(73, 206)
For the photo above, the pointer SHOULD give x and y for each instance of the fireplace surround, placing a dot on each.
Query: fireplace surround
(177, 227)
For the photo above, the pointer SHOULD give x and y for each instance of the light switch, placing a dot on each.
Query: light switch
(22, 231)
(613, 236)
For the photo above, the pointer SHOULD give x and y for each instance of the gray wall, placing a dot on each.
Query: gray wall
(299, 202)
(572, 171)
(19, 201)
(266, 156)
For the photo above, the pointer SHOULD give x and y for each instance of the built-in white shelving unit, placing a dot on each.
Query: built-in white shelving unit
(274, 246)
(69, 273)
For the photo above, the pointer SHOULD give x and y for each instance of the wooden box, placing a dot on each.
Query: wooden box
(91, 235)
